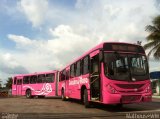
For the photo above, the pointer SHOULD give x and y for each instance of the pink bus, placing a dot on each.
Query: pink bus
(35, 84)
(110, 73)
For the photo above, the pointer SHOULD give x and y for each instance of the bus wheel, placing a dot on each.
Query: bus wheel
(85, 99)
(62, 95)
(28, 94)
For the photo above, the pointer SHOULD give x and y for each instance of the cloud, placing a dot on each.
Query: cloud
(44, 13)
(52, 53)
(70, 32)
(157, 4)
(35, 10)
(19, 39)
(9, 65)
(91, 22)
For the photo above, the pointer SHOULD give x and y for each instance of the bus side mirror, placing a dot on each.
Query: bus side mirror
(101, 56)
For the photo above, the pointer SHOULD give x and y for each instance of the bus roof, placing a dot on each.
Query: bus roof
(99, 46)
(36, 73)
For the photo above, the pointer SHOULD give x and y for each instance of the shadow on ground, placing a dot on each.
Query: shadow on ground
(126, 107)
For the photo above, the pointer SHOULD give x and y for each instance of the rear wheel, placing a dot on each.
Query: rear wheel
(28, 94)
(85, 99)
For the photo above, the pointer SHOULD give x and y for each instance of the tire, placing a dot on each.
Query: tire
(85, 99)
(62, 95)
(28, 94)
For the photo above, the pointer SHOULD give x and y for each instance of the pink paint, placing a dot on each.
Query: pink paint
(37, 89)
(109, 91)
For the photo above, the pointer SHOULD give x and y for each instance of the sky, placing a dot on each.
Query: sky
(43, 35)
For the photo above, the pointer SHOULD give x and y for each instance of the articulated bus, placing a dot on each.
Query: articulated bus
(110, 73)
(35, 84)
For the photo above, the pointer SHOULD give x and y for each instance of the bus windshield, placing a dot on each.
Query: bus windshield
(123, 66)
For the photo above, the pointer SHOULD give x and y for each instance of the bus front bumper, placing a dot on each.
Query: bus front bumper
(126, 98)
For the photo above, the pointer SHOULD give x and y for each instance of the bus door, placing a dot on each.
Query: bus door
(17, 91)
(14, 86)
(19, 87)
(95, 78)
(67, 83)
(56, 82)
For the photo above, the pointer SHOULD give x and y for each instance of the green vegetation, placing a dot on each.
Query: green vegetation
(153, 38)
(9, 83)
(0, 84)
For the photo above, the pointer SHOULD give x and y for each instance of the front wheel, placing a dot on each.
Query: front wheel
(85, 99)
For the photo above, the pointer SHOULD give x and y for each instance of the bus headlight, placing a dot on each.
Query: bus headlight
(111, 89)
(148, 89)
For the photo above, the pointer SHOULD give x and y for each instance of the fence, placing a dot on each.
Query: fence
(5, 93)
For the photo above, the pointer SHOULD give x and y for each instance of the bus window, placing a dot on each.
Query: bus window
(20, 81)
(72, 74)
(78, 68)
(67, 75)
(49, 78)
(33, 79)
(94, 64)
(26, 80)
(60, 76)
(85, 65)
(15, 81)
(63, 75)
(41, 78)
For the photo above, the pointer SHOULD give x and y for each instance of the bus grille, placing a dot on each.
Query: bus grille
(130, 86)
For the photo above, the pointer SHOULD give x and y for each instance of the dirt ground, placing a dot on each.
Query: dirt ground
(55, 107)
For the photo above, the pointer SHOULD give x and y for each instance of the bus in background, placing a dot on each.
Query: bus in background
(110, 73)
(35, 84)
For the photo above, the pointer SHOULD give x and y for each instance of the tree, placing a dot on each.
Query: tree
(0, 84)
(153, 38)
(9, 83)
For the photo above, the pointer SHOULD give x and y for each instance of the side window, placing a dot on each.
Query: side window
(15, 81)
(67, 75)
(63, 75)
(72, 71)
(60, 73)
(41, 78)
(49, 78)
(20, 81)
(94, 66)
(26, 80)
(33, 79)
(85, 65)
(78, 68)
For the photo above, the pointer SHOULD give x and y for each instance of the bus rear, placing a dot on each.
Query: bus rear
(36, 84)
